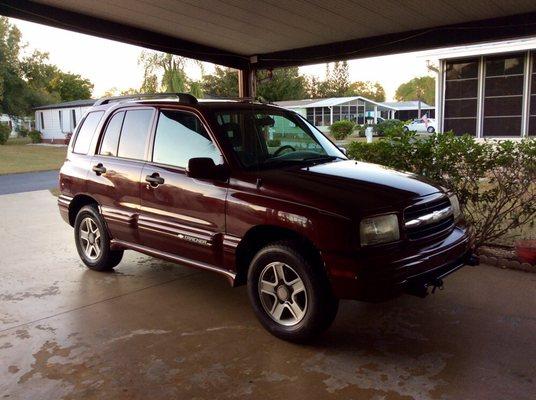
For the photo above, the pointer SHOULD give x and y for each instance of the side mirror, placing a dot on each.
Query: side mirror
(205, 168)
(344, 151)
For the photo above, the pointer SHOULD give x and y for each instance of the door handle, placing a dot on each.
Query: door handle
(155, 179)
(99, 169)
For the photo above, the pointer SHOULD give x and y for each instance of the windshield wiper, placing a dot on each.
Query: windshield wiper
(322, 158)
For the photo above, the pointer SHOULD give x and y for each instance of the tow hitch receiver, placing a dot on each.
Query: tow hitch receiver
(419, 287)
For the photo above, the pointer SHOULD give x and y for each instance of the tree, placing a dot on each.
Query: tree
(222, 83)
(370, 90)
(281, 84)
(277, 85)
(31, 81)
(71, 86)
(420, 88)
(13, 90)
(171, 69)
(312, 87)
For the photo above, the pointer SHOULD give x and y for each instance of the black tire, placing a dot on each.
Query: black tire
(321, 306)
(405, 129)
(106, 259)
(430, 129)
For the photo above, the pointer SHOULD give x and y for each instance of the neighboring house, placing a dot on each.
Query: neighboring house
(16, 123)
(57, 121)
(324, 112)
(488, 91)
(407, 110)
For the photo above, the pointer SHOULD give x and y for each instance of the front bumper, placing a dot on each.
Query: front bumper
(380, 274)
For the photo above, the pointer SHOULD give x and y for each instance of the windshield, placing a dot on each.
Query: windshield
(271, 138)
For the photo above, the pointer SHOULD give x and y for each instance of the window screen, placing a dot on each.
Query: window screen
(503, 95)
(181, 136)
(110, 141)
(532, 108)
(461, 96)
(86, 132)
(134, 134)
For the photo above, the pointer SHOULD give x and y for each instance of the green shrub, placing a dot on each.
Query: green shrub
(341, 129)
(35, 136)
(495, 182)
(389, 127)
(22, 132)
(5, 131)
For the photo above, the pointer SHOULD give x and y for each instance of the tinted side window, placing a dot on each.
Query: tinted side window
(134, 134)
(181, 136)
(85, 134)
(110, 141)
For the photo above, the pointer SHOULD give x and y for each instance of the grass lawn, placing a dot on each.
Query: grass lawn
(16, 156)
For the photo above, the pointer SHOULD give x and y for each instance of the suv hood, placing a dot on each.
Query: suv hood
(347, 187)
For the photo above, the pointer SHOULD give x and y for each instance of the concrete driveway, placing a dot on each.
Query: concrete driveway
(157, 330)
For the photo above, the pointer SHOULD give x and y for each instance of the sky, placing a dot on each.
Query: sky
(110, 64)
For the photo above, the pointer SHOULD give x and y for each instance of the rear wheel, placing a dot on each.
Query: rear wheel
(291, 297)
(93, 242)
(430, 129)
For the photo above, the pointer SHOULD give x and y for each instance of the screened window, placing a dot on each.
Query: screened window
(42, 120)
(134, 134)
(532, 108)
(110, 141)
(86, 132)
(318, 116)
(461, 96)
(311, 115)
(503, 95)
(60, 116)
(179, 137)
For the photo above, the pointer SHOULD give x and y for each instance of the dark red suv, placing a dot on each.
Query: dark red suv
(257, 194)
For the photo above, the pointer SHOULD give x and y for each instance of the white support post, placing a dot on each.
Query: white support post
(375, 114)
(330, 116)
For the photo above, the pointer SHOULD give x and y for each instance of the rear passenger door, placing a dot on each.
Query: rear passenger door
(181, 215)
(114, 178)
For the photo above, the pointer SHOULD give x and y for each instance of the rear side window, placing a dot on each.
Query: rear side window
(86, 132)
(110, 141)
(134, 134)
(181, 136)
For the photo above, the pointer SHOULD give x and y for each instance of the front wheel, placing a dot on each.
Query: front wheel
(431, 129)
(93, 241)
(291, 297)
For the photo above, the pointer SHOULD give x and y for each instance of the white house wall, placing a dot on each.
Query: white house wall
(52, 129)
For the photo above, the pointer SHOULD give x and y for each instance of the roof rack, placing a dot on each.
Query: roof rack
(182, 97)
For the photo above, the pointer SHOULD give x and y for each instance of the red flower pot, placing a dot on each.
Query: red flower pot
(526, 251)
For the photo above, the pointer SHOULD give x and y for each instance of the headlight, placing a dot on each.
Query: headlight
(380, 229)
(455, 204)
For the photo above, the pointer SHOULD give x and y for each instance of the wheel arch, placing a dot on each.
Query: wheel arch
(260, 236)
(79, 201)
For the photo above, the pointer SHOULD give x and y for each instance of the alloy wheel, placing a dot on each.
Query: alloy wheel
(282, 293)
(90, 238)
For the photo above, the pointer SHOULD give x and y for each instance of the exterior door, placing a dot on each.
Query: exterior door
(115, 176)
(181, 215)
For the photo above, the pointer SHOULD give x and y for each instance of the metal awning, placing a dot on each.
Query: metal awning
(257, 34)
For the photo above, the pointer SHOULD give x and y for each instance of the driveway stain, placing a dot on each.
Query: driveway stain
(52, 290)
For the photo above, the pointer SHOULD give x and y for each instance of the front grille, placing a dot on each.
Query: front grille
(429, 218)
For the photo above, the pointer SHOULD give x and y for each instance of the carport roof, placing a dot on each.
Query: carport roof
(271, 33)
